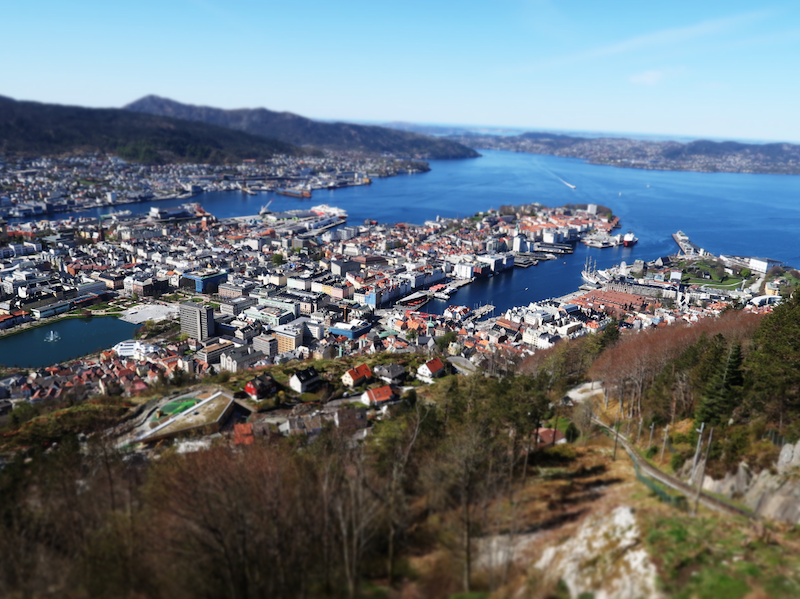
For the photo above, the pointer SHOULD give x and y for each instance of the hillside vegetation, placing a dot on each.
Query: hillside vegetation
(450, 494)
(35, 129)
(302, 131)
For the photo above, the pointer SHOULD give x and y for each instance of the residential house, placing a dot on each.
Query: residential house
(261, 386)
(355, 376)
(430, 370)
(392, 374)
(243, 434)
(549, 436)
(378, 397)
(303, 380)
(351, 419)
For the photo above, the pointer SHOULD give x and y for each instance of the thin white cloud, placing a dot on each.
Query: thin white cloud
(665, 37)
(654, 77)
(647, 78)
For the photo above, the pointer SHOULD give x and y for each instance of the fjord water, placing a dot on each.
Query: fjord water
(740, 214)
(79, 336)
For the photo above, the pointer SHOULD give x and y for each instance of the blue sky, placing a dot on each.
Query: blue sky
(700, 69)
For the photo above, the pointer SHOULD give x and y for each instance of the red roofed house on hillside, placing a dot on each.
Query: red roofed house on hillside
(378, 397)
(356, 376)
(243, 434)
(430, 370)
(549, 436)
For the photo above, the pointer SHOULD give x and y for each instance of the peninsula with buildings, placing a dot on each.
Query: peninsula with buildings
(702, 155)
(43, 187)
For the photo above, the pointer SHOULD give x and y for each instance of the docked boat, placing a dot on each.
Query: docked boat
(118, 215)
(599, 243)
(629, 240)
(601, 240)
(294, 192)
(325, 210)
(590, 274)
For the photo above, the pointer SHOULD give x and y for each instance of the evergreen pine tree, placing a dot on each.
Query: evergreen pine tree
(773, 366)
(610, 334)
(722, 390)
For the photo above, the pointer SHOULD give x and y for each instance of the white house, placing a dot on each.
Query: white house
(303, 380)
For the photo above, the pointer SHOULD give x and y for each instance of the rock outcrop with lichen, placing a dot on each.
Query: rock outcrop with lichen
(606, 558)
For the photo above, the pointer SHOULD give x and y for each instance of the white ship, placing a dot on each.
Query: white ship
(601, 240)
(629, 240)
(325, 210)
(591, 275)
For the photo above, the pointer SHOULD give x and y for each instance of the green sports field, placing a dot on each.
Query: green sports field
(178, 406)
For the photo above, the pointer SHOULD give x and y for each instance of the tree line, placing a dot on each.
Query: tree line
(284, 518)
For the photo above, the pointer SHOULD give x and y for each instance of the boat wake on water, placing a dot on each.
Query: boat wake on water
(541, 168)
(570, 185)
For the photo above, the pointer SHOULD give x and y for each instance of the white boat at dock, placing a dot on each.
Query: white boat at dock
(325, 210)
(601, 243)
(591, 275)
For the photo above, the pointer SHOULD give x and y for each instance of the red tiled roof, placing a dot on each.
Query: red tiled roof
(243, 434)
(546, 436)
(434, 365)
(380, 394)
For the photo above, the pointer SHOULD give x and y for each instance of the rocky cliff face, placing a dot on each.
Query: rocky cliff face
(773, 493)
(605, 558)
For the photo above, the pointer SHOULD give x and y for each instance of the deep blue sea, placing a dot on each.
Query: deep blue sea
(756, 215)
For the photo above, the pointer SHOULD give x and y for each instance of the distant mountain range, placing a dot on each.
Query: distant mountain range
(34, 129)
(700, 155)
(301, 131)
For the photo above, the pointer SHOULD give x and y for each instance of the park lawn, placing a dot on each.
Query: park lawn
(729, 282)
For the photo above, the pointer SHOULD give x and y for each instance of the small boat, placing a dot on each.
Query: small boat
(51, 337)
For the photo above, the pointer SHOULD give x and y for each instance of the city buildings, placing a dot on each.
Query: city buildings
(197, 320)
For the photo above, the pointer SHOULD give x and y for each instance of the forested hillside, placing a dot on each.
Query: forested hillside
(420, 503)
(301, 131)
(35, 129)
